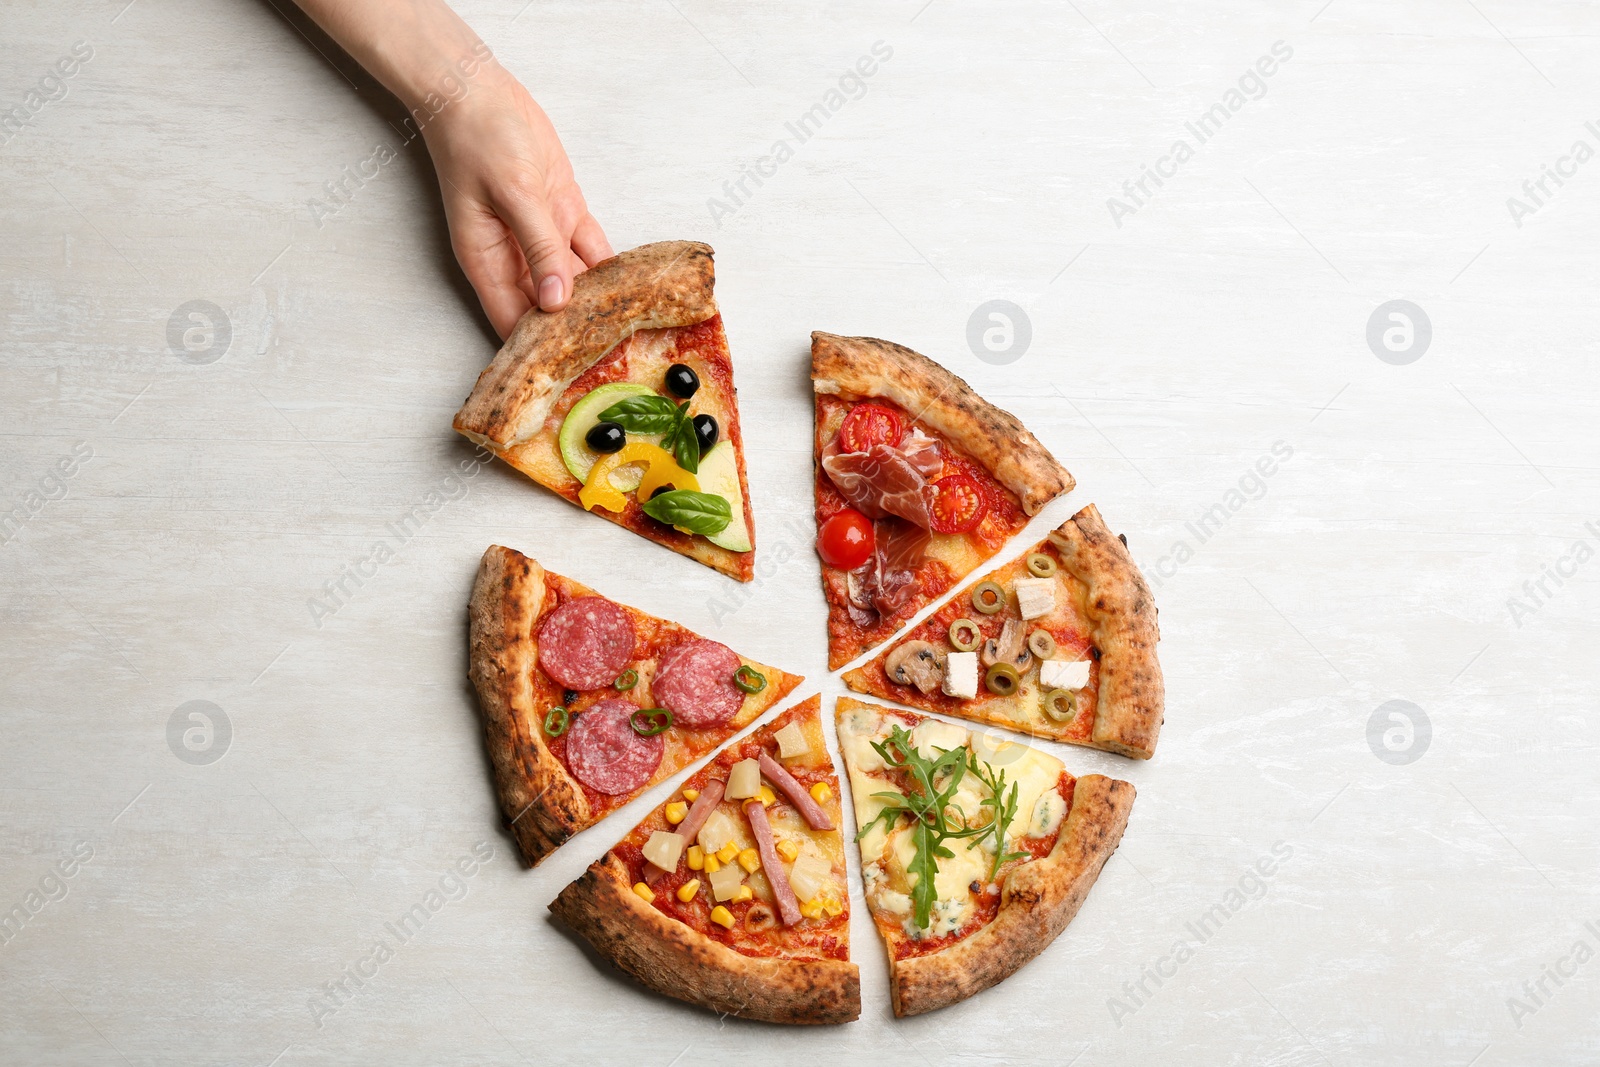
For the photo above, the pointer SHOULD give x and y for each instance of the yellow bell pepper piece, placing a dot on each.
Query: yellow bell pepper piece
(661, 469)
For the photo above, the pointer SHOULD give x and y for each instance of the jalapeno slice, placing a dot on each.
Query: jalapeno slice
(556, 720)
(1041, 644)
(965, 635)
(988, 597)
(1061, 705)
(627, 679)
(1041, 565)
(647, 722)
(748, 679)
(1002, 679)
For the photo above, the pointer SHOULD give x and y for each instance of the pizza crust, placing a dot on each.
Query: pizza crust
(542, 804)
(1122, 616)
(668, 283)
(856, 368)
(1037, 902)
(680, 962)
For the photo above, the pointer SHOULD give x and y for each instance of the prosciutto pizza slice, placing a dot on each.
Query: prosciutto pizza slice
(587, 702)
(732, 893)
(1060, 642)
(623, 403)
(918, 481)
(975, 852)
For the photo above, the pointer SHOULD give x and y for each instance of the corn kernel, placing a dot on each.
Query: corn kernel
(812, 908)
(750, 859)
(697, 857)
(833, 907)
(687, 890)
(646, 894)
(712, 864)
(727, 852)
(722, 917)
(691, 795)
(820, 792)
(743, 893)
(677, 811)
(768, 797)
(788, 850)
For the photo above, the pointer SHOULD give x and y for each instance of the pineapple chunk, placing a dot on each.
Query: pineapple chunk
(791, 741)
(744, 781)
(725, 882)
(664, 849)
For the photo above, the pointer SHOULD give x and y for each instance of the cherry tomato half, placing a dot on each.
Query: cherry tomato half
(870, 424)
(958, 504)
(846, 541)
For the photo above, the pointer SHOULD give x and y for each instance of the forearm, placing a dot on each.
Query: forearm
(417, 48)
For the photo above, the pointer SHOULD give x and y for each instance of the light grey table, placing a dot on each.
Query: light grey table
(181, 491)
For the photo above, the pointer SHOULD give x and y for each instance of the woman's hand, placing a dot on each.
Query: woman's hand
(518, 223)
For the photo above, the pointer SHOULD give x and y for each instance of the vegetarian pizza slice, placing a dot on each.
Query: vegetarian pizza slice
(623, 403)
(918, 481)
(1060, 642)
(732, 894)
(587, 702)
(975, 853)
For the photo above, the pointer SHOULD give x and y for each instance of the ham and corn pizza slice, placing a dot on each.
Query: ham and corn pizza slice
(975, 852)
(732, 893)
(623, 403)
(587, 702)
(1060, 643)
(919, 480)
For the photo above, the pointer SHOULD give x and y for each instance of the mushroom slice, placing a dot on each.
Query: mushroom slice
(916, 663)
(1010, 647)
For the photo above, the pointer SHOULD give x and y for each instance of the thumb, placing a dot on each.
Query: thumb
(549, 254)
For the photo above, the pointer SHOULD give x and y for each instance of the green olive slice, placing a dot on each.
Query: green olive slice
(1041, 644)
(988, 597)
(1061, 705)
(965, 635)
(1041, 565)
(1002, 679)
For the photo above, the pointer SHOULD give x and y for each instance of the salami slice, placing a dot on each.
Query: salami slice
(605, 753)
(694, 681)
(585, 643)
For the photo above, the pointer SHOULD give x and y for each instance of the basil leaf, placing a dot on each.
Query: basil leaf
(701, 513)
(686, 443)
(643, 414)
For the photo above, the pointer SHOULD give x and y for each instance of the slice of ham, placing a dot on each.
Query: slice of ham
(803, 801)
(699, 812)
(782, 892)
(887, 479)
(885, 584)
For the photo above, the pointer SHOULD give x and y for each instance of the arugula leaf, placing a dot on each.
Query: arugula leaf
(701, 513)
(648, 414)
(1004, 808)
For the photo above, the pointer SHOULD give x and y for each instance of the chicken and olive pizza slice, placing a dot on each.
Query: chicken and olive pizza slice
(732, 893)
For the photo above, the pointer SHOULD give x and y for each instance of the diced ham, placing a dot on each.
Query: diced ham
(761, 830)
(803, 801)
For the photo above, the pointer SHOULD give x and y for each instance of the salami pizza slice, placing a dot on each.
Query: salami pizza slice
(623, 403)
(918, 481)
(587, 702)
(1060, 642)
(975, 852)
(732, 893)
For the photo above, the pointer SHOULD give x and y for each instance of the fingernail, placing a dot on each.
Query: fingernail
(550, 293)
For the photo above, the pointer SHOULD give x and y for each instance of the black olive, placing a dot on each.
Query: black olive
(568, 696)
(605, 437)
(682, 381)
(659, 490)
(705, 431)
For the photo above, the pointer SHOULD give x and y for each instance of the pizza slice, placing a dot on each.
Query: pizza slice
(1060, 642)
(587, 702)
(918, 481)
(975, 852)
(732, 894)
(623, 403)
